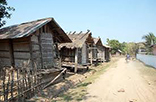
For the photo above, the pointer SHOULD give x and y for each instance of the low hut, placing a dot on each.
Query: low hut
(78, 53)
(107, 53)
(35, 41)
(153, 49)
(99, 51)
(118, 53)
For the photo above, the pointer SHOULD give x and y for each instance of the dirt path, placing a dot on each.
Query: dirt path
(124, 82)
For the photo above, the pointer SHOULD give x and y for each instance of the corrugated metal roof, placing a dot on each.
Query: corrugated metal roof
(25, 29)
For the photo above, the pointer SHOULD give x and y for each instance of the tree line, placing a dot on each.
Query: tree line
(132, 47)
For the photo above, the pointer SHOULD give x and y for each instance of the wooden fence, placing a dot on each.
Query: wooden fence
(20, 84)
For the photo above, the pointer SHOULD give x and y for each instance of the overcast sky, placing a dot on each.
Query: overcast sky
(124, 20)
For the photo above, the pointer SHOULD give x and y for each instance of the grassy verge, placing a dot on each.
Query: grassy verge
(78, 92)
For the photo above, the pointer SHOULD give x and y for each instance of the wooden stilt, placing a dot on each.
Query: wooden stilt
(76, 60)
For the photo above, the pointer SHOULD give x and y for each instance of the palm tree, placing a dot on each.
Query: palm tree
(150, 39)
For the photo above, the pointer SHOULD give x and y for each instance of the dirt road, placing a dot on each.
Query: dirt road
(124, 82)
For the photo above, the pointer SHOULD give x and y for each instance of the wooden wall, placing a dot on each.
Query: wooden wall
(85, 54)
(43, 48)
(36, 54)
(14, 52)
(4, 53)
(101, 53)
(79, 56)
(107, 54)
(95, 52)
(47, 50)
(68, 55)
(91, 52)
(21, 51)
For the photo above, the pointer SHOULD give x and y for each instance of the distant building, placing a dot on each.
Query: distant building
(118, 52)
(107, 53)
(142, 51)
(154, 49)
(99, 51)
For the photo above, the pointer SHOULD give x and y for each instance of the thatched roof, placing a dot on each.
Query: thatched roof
(78, 39)
(98, 42)
(26, 29)
(106, 46)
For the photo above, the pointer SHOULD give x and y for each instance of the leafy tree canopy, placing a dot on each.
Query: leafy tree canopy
(4, 12)
(150, 39)
(130, 48)
(115, 45)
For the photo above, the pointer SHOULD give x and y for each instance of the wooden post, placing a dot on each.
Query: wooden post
(4, 85)
(7, 88)
(31, 53)
(18, 88)
(76, 60)
(39, 40)
(12, 82)
(11, 53)
(60, 58)
(60, 62)
(91, 55)
(103, 56)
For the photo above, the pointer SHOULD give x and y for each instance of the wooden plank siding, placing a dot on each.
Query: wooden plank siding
(85, 55)
(68, 55)
(4, 53)
(21, 51)
(91, 54)
(101, 53)
(107, 54)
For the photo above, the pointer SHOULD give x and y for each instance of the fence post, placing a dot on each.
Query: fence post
(4, 84)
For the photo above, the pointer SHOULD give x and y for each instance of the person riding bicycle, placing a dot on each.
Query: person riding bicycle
(127, 57)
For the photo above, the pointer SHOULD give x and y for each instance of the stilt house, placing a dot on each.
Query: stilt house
(35, 41)
(99, 51)
(76, 54)
(107, 53)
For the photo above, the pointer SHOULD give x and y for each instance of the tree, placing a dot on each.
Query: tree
(4, 12)
(150, 39)
(131, 48)
(124, 47)
(114, 44)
